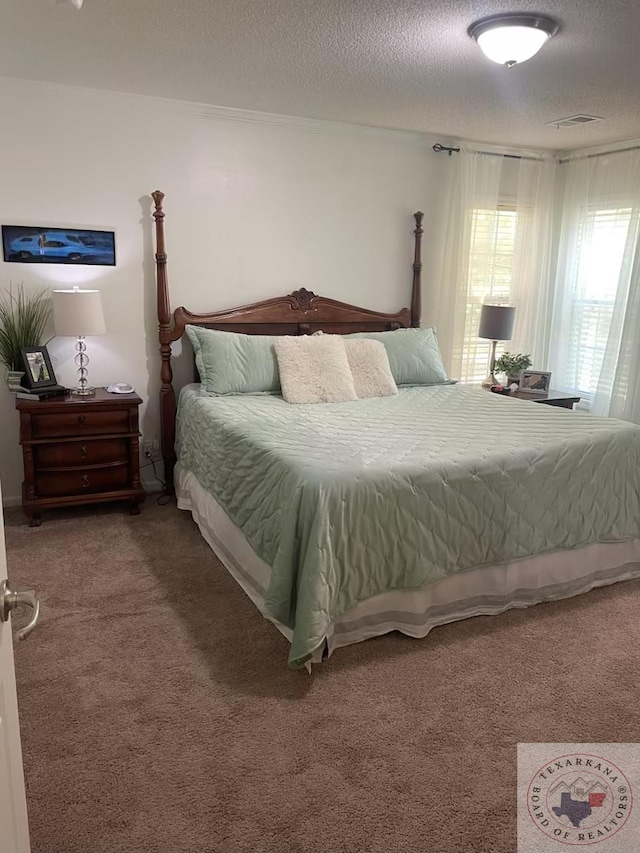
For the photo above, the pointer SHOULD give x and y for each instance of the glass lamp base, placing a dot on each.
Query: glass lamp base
(82, 389)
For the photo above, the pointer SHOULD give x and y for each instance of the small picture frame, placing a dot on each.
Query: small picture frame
(535, 381)
(38, 369)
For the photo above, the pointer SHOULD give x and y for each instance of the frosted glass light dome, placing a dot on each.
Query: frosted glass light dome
(511, 39)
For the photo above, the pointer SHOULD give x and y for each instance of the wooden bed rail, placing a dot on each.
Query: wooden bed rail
(298, 313)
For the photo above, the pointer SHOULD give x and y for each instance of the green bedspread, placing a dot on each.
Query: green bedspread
(348, 500)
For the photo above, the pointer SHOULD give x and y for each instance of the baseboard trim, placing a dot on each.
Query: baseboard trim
(150, 484)
(8, 500)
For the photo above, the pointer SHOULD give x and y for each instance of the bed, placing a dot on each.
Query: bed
(343, 521)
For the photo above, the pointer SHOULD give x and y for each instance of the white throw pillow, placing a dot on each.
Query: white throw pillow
(314, 369)
(370, 368)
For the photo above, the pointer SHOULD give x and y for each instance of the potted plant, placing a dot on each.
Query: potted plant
(23, 319)
(513, 364)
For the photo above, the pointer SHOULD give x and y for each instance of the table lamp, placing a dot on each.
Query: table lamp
(78, 314)
(496, 324)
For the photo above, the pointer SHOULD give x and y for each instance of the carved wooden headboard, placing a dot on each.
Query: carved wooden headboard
(299, 313)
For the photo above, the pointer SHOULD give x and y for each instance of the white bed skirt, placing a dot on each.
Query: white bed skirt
(484, 591)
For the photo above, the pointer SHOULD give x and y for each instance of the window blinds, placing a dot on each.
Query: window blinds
(491, 264)
(594, 275)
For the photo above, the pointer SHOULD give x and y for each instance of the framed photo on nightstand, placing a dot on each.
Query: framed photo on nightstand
(535, 382)
(38, 370)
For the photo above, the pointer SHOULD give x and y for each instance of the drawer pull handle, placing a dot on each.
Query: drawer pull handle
(85, 481)
(82, 420)
(83, 451)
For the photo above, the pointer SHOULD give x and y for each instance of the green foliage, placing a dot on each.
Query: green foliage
(23, 319)
(513, 363)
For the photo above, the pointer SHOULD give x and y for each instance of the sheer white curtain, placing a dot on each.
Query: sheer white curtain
(475, 185)
(531, 290)
(595, 346)
(497, 249)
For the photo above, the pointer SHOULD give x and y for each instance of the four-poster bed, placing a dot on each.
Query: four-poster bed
(298, 313)
(346, 520)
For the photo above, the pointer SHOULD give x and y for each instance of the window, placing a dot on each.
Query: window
(600, 248)
(491, 260)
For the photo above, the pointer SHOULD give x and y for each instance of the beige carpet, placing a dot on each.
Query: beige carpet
(158, 712)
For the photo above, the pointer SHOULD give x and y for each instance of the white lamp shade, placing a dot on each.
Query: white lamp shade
(78, 313)
(511, 45)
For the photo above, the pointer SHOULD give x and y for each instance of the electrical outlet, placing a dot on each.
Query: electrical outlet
(151, 446)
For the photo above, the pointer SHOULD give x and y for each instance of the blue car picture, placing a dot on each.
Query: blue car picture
(25, 244)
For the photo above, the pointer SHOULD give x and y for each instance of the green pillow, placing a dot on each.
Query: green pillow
(230, 363)
(414, 355)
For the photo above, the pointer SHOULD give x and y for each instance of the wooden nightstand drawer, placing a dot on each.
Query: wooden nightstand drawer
(80, 453)
(51, 484)
(79, 423)
(80, 450)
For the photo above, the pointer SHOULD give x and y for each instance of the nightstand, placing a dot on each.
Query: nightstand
(80, 450)
(551, 398)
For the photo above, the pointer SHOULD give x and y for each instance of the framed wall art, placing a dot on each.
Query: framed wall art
(26, 244)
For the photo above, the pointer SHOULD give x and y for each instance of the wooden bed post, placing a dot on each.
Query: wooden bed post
(167, 394)
(416, 290)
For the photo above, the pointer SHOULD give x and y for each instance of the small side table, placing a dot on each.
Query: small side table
(551, 398)
(80, 450)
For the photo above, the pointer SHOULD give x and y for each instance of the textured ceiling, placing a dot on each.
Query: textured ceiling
(389, 63)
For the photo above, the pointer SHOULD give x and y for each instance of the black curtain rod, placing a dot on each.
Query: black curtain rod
(438, 148)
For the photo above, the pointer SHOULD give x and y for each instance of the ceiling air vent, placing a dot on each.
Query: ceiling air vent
(573, 121)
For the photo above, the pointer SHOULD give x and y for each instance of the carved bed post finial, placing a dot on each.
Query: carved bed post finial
(167, 395)
(416, 290)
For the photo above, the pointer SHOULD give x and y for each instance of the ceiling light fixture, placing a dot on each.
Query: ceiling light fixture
(514, 38)
(76, 3)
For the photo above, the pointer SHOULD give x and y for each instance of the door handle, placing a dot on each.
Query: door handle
(9, 600)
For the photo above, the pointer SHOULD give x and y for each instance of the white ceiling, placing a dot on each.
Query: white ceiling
(389, 63)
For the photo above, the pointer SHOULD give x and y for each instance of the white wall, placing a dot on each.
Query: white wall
(256, 206)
